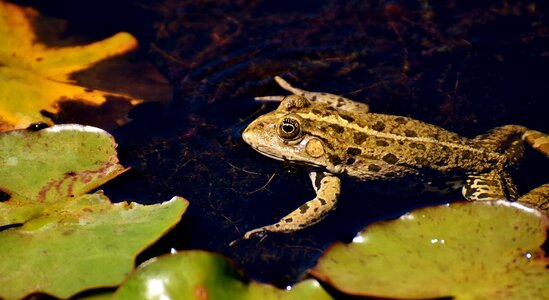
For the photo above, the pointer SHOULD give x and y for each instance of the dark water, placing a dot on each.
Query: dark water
(467, 66)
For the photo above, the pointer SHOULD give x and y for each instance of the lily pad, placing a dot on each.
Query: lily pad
(35, 77)
(56, 239)
(202, 275)
(43, 167)
(474, 250)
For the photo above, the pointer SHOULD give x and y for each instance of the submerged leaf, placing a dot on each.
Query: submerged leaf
(202, 275)
(57, 239)
(35, 77)
(474, 250)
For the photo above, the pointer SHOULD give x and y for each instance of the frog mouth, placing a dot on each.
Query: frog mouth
(282, 158)
(269, 155)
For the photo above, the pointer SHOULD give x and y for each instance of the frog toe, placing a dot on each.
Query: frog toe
(270, 98)
(538, 140)
(259, 232)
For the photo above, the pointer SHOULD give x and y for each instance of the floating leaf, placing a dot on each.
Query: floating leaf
(474, 250)
(56, 239)
(35, 77)
(43, 167)
(202, 275)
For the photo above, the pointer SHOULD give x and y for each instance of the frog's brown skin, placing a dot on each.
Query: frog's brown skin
(342, 137)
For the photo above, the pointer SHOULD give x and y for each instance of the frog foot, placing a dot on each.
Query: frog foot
(335, 101)
(327, 187)
(259, 232)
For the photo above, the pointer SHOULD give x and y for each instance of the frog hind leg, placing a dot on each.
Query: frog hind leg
(494, 185)
(506, 140)
(327, 188)
(335, 101)
(537, 198)
(509, 140)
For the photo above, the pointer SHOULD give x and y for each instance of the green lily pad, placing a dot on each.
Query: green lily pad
(473, 250)
(60, 240)
(51, 165)
(202, 275)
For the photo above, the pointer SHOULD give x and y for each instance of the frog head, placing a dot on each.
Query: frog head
(289, 134)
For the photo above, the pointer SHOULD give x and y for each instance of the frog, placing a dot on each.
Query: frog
(336, 137)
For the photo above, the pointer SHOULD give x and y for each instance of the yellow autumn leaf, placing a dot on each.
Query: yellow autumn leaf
(35, 77)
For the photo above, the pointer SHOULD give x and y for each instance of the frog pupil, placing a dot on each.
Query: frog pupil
(288, 128)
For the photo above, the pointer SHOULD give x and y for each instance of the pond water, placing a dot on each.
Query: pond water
(467, 66)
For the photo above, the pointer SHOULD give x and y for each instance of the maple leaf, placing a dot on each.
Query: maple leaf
(35, 77)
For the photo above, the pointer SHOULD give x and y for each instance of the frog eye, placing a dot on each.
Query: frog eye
(289, 128)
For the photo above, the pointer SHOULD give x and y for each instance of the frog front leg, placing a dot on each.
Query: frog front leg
(335, 101)
(327, 188)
